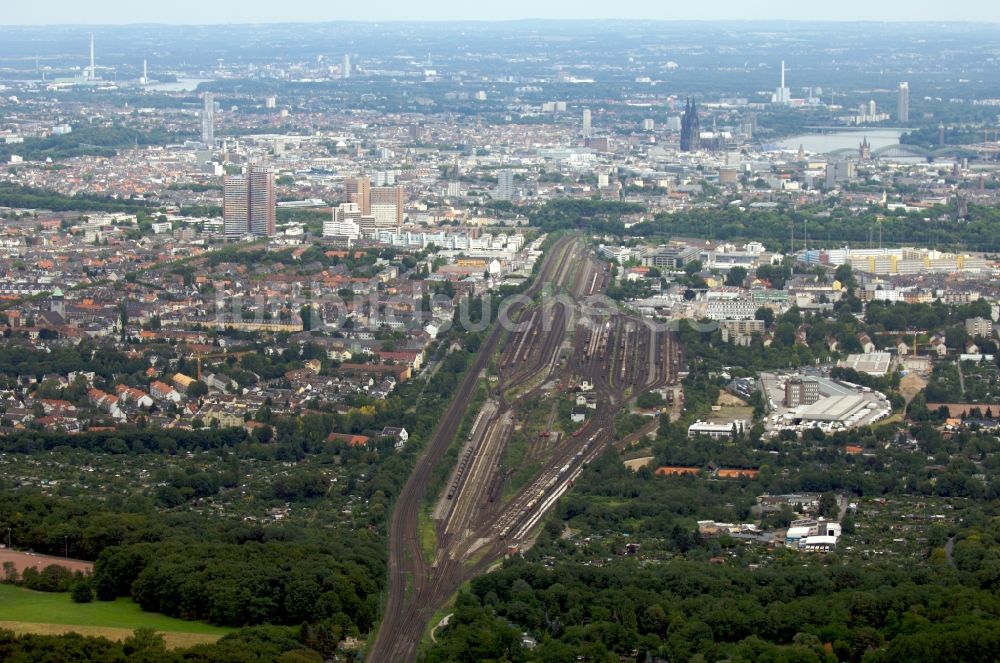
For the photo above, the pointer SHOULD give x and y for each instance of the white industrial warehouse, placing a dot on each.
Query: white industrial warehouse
(804, 401)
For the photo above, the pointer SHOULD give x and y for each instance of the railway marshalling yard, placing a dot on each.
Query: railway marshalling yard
(490, 505)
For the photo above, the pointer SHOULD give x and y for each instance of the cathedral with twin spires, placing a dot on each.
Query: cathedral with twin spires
(690, 128)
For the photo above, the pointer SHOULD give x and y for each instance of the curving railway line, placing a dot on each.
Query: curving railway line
(413, 588)
(618, 354)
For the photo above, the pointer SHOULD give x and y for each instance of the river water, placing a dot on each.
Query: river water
(838, 140)
(180, 85)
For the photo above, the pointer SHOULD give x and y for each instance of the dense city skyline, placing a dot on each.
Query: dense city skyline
(537, 341)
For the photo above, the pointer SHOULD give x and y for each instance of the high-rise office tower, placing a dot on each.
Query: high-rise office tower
(346, 67)
(903, 112)
(236, 206)
(387, 206)
(208, 120)
(587, 129)
(505, 185)
(262, 201)
(249, 203)
(690, 128)
(359, 190)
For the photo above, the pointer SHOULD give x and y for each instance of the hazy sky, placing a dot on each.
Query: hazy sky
(261, 11)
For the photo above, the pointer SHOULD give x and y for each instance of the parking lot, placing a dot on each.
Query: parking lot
(840, 405)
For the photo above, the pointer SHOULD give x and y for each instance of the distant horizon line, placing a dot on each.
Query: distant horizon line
(494, 21)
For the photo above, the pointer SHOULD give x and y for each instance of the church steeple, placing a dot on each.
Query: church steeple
(690, 128)
(865, 150)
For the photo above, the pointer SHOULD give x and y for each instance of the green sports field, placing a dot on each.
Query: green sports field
(26, 606)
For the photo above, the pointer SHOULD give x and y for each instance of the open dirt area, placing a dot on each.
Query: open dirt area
(727, 399)
(23, 560)
(911, 385)
(637, 463)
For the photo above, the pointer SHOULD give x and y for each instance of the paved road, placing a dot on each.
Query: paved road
(949, 552)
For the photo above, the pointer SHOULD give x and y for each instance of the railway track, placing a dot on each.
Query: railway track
(411, 584)
(537, 359)
(475, 526)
